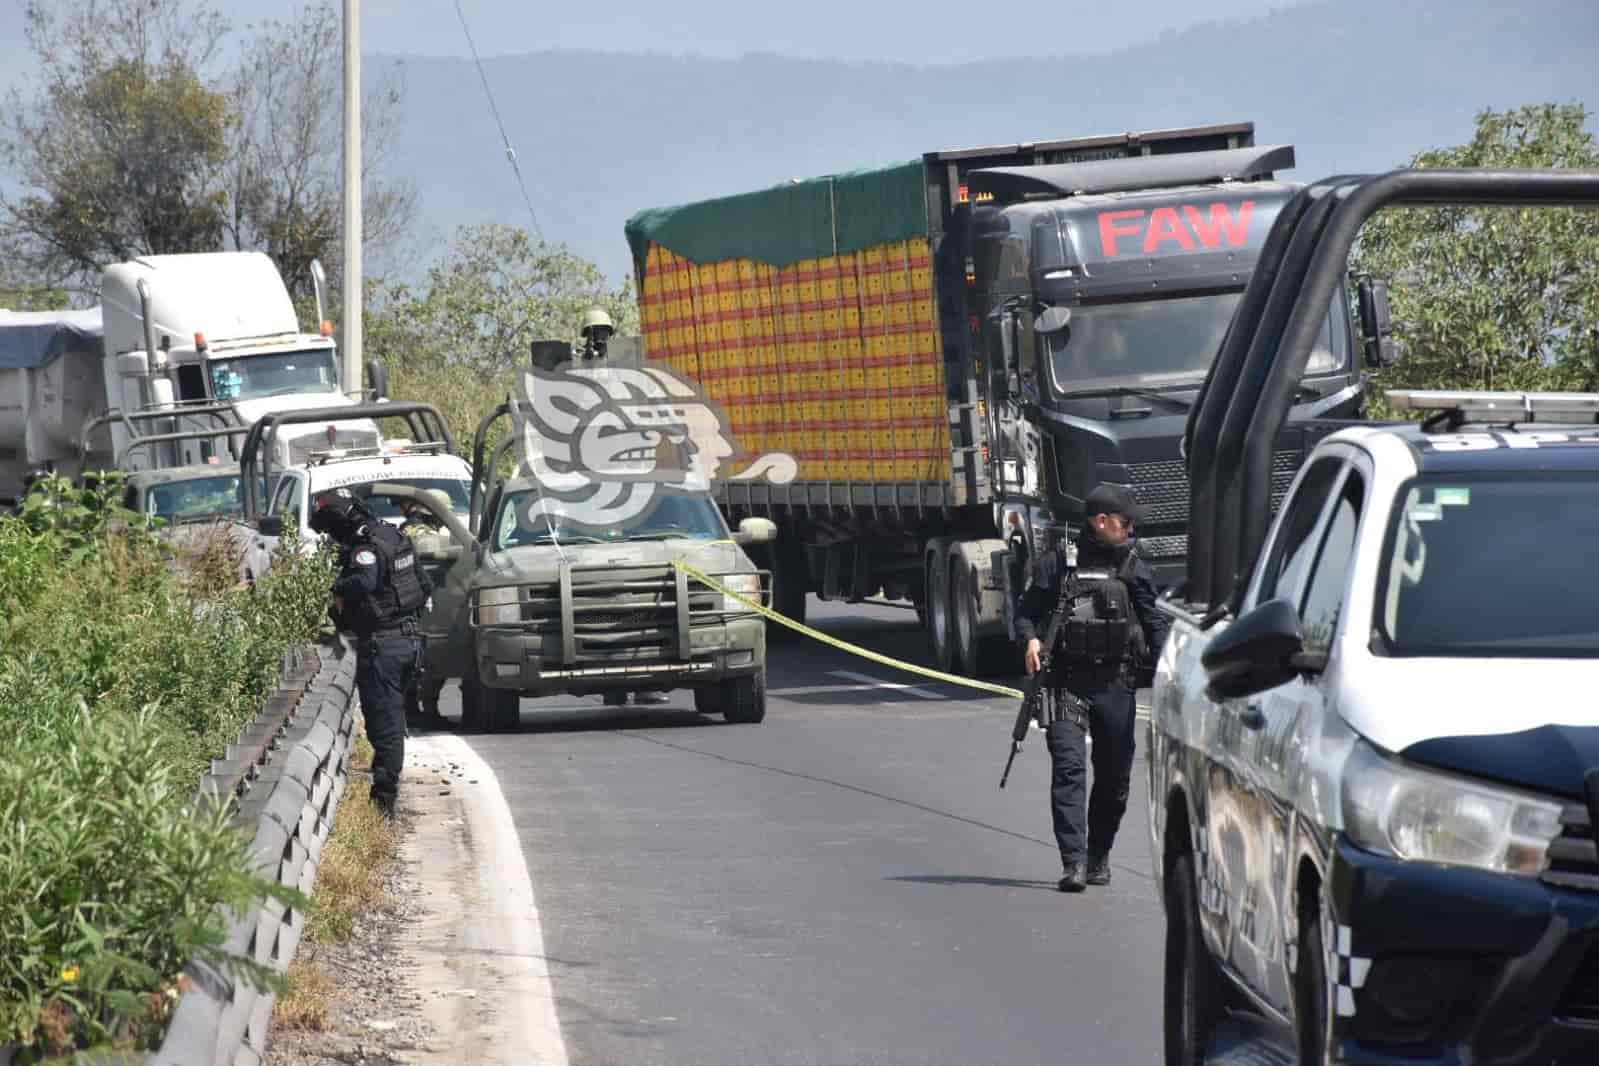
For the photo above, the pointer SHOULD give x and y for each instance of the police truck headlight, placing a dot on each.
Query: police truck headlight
(1401, 810)
(745, 585)
(498, 607)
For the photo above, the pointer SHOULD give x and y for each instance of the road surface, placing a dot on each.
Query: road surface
(842, 884)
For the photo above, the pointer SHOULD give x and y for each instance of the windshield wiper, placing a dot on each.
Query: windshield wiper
(564, 538)
(1133, 390)
(664, 534)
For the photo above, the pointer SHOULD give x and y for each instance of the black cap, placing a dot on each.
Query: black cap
(1111, 499)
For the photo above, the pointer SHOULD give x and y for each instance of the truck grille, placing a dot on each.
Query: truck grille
(1161, 489)
(1573, 856)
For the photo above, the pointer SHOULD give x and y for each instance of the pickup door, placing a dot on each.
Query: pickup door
(1258, 746)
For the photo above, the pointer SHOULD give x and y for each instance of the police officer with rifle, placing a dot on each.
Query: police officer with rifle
(1094, 601)
(377, 595)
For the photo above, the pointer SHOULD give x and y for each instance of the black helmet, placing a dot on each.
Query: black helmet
(337, 513)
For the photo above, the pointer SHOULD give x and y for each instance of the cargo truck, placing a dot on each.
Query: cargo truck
(179, 344)
(957, 349)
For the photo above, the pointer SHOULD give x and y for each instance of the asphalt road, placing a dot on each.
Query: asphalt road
(842, 884)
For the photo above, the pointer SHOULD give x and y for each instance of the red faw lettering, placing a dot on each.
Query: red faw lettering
(1165, 227)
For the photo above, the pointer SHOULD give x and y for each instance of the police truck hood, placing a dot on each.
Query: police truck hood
(1531, 723)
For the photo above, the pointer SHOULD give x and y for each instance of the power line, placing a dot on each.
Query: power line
(510, 153)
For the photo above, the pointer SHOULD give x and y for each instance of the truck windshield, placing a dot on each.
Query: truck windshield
(456, 489)
(1478, 566)
(279, 374)
(1167, 343)
(203, 497)
(673, 515)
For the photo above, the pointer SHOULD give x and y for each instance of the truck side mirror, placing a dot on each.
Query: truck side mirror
(269, 525)
(377, 379)
(755, 530)
(1376, 326)
(1052, 320)
(1255, 653)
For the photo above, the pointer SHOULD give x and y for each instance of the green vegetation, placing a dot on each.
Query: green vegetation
(123, 676)
(1493, 298)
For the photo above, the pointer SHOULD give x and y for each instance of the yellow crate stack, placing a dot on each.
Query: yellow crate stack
(835, 360)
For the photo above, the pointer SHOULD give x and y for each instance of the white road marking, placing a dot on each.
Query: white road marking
(894, 686)
(508, 923)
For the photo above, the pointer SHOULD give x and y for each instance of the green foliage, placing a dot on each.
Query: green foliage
(1488, 297)
(123, 676)
(495, 291)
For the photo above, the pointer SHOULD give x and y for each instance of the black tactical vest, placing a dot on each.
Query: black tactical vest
(399, 595)
(1100, 633)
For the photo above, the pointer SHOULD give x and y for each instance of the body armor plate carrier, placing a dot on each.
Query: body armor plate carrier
(400, 593)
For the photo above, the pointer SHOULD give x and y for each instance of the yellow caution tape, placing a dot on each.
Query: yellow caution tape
(854, 649)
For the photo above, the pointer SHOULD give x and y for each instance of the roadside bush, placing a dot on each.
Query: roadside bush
(122, 676)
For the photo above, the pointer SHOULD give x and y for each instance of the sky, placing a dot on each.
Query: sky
(911, 31)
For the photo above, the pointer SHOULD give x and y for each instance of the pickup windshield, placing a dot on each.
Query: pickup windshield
(673, 515)
(458, 490)
(1482, 566)
(1153, 344)
(251, 377)
(204, 497)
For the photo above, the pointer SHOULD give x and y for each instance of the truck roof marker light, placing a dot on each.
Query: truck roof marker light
(333, 434)
(199, 341)
(327, 327)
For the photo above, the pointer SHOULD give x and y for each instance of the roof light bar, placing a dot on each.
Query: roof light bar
(1560, 407)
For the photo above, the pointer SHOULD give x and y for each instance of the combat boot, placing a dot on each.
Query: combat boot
(1075, 880)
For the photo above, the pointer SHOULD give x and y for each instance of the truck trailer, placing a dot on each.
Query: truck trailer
(179, 344)
(957, 349)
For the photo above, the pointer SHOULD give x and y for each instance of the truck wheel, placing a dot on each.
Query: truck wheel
(974, 656)
(708, 699)
(1196, 991)
(743, 699)
(939, 626)
(789, 581)
(472, 710)
(504, 709)
(1311, 993)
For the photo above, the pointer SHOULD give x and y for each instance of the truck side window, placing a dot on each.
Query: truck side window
(1291, 551)
(1324, 597)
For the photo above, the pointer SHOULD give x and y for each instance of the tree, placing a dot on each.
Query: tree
(1495, 298)
(125, 140)
(494, 292)
(285, 177)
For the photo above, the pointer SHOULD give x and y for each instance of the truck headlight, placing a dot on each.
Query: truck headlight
(744, 584)
(498, 607)
(1401, 810)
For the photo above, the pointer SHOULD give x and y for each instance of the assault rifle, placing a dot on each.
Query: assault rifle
(1032, 694)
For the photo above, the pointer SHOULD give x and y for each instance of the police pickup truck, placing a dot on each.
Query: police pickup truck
(1373, 791)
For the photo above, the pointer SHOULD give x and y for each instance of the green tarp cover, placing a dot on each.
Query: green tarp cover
(839, 213)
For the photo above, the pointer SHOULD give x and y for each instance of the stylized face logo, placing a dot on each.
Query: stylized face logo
(605, 443)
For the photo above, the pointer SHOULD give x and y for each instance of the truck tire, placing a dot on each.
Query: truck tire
(708, 699)
(743, 699)
(503, 709)
(973, 656)
(1196, 991)
(1311, 993)
(790, 579)
(939, 625)
(472, 709)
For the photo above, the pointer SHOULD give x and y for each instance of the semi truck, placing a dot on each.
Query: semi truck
(956, 349)
(178, 344)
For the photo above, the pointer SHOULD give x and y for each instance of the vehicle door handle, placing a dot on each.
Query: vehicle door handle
(1252, 717)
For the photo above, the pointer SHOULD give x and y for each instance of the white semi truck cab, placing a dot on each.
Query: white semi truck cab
(219, 328)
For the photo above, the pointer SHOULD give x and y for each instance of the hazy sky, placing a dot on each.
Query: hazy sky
(914, 31)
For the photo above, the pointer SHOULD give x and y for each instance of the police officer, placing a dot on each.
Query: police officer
(596, 331)
(378, 592)
(1111, 633)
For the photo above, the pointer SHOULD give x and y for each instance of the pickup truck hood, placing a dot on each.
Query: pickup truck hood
(542, 562)
(1531, 723)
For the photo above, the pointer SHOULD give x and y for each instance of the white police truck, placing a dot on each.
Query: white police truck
(1374, 789)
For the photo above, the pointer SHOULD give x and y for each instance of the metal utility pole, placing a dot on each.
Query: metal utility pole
(353, 288)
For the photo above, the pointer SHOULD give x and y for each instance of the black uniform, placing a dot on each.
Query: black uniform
(1104, 704)
(381, 588)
